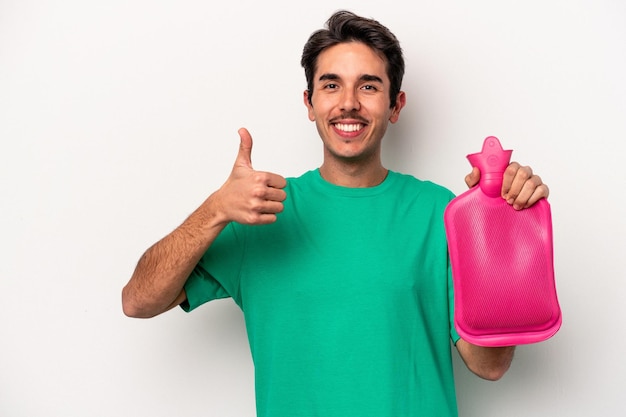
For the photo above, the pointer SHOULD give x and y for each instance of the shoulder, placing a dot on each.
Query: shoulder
(306, 178)
(428, 189)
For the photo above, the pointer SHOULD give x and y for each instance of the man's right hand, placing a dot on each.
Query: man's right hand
(249, 196)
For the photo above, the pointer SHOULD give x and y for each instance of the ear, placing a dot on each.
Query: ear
(308, 105)
(400, 103)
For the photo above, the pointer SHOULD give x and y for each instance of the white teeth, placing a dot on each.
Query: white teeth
(348, 128)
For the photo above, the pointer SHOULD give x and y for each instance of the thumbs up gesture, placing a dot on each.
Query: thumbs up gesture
(249, 196)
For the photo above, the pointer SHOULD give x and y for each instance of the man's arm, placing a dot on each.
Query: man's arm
(247, 196)
(157, 282)
(521, 188)
(489, 363)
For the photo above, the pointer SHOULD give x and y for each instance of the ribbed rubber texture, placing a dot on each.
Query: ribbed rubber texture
(502, 270)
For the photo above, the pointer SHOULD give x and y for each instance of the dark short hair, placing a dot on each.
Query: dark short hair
(344, 26)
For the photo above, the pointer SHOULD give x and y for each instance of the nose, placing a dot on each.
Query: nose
(350, 100)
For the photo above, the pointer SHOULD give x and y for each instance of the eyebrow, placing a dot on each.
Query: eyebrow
(364, 77)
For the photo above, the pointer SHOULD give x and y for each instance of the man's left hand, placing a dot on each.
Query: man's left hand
(520, 187)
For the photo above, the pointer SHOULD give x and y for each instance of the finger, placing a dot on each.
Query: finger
(533, 190)
(266, 218)
(276, 181)
(267, 181)
(540, 192)
(259, 218)
(515, 176)
(472, 178)
(264, 212)
(507, 178)
(272, 207)
(262, 191)
(244, 157)
(526, 193)
(275, 194)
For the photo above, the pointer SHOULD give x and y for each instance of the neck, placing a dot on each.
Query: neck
(353, 176)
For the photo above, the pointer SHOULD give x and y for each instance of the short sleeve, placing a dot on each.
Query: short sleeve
(218, 272)
(454, 335)
(200, 288)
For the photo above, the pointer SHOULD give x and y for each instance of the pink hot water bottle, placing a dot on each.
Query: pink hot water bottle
(502, 261)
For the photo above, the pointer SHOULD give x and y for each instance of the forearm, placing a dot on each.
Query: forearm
(247, 197)
(162, 271)
(489, 363)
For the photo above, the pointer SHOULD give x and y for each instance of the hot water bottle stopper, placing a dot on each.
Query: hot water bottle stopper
(502, 261)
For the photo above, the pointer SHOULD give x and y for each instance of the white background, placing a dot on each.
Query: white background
(118, 118)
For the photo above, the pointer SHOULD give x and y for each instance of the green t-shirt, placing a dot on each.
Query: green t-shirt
(347, 299)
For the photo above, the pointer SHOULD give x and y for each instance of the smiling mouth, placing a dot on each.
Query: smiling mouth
(352, 127)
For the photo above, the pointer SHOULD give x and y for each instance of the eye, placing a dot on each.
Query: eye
(369, 87)
(330, 86)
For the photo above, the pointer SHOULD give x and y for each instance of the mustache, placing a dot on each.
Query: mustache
(349, 115)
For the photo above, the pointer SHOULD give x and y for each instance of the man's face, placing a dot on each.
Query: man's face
(350, 102)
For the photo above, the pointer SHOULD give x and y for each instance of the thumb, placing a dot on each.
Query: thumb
(244, 157)
(473, 177)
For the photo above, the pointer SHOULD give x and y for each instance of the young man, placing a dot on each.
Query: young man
(342, 273)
